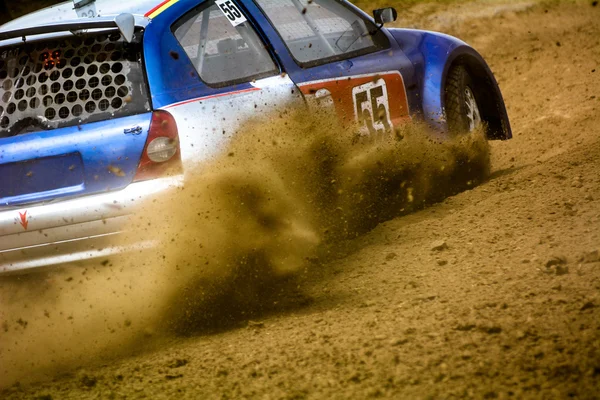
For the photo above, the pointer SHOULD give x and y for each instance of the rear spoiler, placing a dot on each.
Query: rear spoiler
(125, 23)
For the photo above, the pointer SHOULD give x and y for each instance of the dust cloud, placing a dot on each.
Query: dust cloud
(232, 241)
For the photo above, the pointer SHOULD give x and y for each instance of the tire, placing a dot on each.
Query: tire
(462, 108)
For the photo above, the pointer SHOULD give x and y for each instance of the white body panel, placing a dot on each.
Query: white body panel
(206, 124)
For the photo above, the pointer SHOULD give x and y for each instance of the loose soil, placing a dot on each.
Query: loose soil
(493, 293)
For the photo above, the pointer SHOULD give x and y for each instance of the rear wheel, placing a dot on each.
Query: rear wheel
(462, 108)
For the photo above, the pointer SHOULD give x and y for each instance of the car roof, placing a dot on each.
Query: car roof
(65, 11)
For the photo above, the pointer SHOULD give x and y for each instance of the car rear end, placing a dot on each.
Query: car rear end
(80, 145)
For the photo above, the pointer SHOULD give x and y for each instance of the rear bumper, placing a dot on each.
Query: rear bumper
(74, 230)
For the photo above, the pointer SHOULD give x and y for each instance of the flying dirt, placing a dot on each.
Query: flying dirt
(287, 189)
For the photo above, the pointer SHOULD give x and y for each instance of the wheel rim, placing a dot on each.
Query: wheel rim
(473, 114)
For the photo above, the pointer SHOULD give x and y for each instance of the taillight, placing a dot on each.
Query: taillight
(162, 149)
(161, 154)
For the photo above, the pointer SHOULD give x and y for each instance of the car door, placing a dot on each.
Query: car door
(339, 58)
(217, 74)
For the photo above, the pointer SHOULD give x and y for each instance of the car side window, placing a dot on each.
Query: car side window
(320, 31)
(223, 54)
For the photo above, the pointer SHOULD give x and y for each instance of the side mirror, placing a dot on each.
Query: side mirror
(385, 15)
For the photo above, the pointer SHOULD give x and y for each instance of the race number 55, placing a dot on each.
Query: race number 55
(371, 107)
(231, 11)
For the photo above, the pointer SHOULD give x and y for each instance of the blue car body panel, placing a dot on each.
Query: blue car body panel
(70, 161)
(433, 54)
(423, 59)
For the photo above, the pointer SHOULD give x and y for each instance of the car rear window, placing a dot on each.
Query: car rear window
(70, 81)
(222, 54)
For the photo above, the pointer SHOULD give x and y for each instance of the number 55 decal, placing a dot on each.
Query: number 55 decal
(378, 102)
(371, 107)
(231, 11)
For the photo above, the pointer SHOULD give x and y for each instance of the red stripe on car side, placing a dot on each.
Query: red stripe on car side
(211, 97)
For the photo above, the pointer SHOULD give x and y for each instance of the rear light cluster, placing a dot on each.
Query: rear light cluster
(161, 154)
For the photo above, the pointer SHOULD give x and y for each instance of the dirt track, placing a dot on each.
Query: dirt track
(506, 305)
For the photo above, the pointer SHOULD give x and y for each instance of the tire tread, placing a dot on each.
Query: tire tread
(455, 113)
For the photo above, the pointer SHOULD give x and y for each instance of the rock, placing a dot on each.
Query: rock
(177, 363)
(556, 260)
(491, 329)
(465, 327)
(439, 245)
(256, 324)
(88, 381)
(587, 306)
(390, 256)
(561, 270)
(591, 257)
(398, 341)
(441, 263)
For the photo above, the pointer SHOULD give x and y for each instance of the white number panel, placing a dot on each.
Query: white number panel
(371, 107)
(231, 11)
(85, 9)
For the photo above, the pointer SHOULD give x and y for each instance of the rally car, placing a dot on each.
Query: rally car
(100, 101)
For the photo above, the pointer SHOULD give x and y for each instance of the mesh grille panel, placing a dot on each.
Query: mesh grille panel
(46, 85)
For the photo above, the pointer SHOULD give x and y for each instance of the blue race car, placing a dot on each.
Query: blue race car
(109, 102)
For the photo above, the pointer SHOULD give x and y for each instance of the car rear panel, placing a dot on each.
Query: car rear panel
(75, 114)
(74, 229)
(71, 161)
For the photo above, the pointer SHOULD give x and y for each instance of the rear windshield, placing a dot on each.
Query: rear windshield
(71, 81)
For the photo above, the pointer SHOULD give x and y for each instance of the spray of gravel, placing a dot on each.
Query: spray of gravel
(233, 240)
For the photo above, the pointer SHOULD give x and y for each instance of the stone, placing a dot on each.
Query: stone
(561, 270)
(439, 245)
(587, 306)
(555, 260)
(256, 324)
(590, 257)
(398, 341)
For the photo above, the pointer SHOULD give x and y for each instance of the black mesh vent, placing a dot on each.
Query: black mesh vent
(51, 84)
